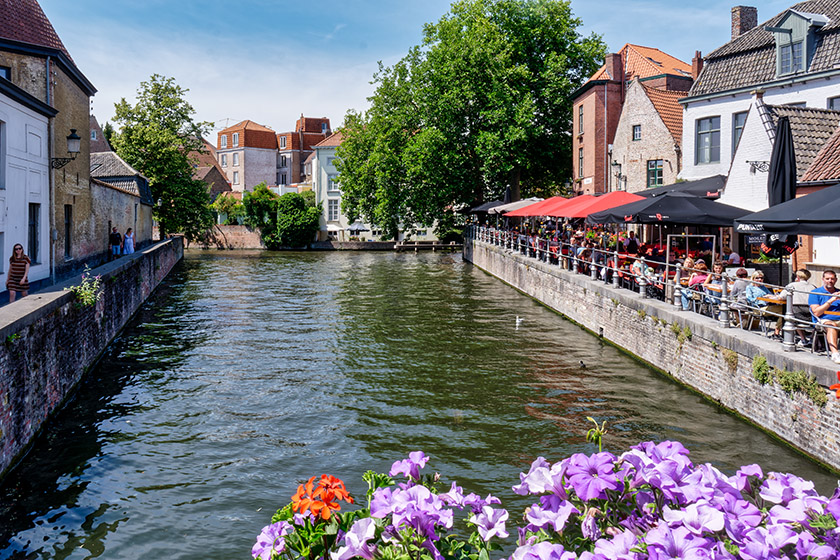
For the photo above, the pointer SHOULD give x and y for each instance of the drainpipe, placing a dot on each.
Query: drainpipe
(606, 119)
(51, 171)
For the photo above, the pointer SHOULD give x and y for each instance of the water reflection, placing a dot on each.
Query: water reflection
(246, 375)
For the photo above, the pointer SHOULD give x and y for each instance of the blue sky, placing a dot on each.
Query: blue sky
(271, 60)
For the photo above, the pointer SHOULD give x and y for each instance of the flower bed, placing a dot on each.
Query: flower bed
(651, 502)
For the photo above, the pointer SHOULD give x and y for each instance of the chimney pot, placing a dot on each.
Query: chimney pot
(744, 18)
(696, 65)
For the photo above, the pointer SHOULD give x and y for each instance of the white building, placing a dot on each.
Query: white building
(324, 177)
(24, 178)
(792, 59)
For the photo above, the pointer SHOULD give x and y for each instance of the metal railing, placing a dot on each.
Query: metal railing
(657, 279)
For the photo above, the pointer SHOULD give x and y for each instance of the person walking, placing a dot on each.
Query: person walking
(128, 242)
(17, 281)
(115, 241)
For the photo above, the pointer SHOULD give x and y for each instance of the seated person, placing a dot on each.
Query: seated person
(714, 279)
(801, 290)
(827, 299)
(695, 282)
(756, 290)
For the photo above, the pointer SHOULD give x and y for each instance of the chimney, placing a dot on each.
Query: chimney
(744, 18)
(696, 65)
(614, 66)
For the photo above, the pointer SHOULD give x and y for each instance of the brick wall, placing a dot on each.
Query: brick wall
(47, 341)
(636, 325)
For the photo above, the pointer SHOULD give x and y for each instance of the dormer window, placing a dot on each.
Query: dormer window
(796, 41)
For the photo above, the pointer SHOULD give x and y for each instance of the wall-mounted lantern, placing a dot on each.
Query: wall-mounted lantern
(74, 145)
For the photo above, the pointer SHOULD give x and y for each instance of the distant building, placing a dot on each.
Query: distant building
(327, 190)
(597, 108)
(108, 170)
(208, 170)
(98, 142)
(247, 153)
(293, 148)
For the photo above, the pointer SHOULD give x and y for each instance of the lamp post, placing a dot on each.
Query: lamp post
(74, 144)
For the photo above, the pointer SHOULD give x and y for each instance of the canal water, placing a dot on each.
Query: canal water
(245, 375)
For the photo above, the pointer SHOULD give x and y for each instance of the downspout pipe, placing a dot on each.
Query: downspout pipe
(52, 172)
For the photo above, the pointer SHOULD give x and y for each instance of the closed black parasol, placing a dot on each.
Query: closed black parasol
(781, 181)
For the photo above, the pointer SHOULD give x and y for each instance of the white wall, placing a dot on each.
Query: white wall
(24, 178)
(814, 93)
(746, 187)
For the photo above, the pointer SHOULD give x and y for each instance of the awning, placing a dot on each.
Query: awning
(813, 214)
(536, 209)
(333, 227)
(598, 204)
(483, 208)
(672, 208)
(513, 206)
(708, 187)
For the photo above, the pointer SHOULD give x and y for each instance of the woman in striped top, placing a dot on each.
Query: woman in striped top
(18, 277)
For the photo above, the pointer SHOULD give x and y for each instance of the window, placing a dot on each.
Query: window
(235, 139)
(283, 161)
(224, 160)
(580, 119)
(68, 231)
(331, 161)
(707, 141)
(580, 162)
(332, 209)
(282, 178)
(223, 141)
(790, 58)
(282, 140)
(834, 103)
(332, 183)
(738, 120)
(236, 177)
(235, 159)
(34, 232)
(5, 72)
(323, 128)
(93, 134)
(654, 173)
(637, 132)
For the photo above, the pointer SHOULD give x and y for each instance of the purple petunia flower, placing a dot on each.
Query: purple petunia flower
(553, 511)
(271, 540)
(410, 467)
(542, 551)
(697, 518)
(476, 502)
(589, 527)
(356, 541)
(490, 522)
(455, 496)
(618, 548)
(806, 547)
(766, 543)
(589, 477)
(664, 543)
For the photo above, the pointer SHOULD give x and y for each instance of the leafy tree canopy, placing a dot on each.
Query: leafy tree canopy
(232, 208)
(290, 220)
(155, 137)
(482, 105)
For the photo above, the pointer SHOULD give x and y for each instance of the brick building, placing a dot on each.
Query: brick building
(67, 216)
(247, 153)
(598, 104)
(295, 147)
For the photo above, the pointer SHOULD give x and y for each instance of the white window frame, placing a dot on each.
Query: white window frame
(707, 152)
(737, 131)
(282, 142)
(224, 160)
(235, 140)
(333, 209)
(833, 103)
(283, 161)
(236, 159)
(332, 183)
(223, 141)
(637, 132)
(236, 177)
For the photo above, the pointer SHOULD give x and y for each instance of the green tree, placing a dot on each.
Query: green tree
(108, 132)
(155, 137)
(230, 207)
(261, 208)
(297, 222)
(483, 104)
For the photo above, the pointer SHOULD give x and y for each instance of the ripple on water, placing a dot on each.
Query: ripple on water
(243, 377)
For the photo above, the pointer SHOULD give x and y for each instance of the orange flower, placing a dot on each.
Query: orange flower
(320, 500)
(836, 386)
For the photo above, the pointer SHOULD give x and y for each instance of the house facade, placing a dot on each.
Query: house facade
(247, 153)
(293, 148)
(646, 149)
(128, 194)
(327, 191)
(598, 104)
(790, 59)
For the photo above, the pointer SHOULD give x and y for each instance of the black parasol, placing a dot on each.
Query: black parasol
(813, 214)
(671, 208)
(781, 181)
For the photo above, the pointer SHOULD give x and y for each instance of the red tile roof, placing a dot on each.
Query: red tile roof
(826, 166)
(247, 125)
(645, 62)
(331, 142)
(25, 21)
(251, 135)
(671, 112)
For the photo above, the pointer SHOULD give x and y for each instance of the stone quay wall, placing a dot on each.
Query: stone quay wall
(48, 341)
(716, 362)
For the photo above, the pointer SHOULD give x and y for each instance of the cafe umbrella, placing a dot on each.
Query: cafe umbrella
(813, 214)
(670, 208)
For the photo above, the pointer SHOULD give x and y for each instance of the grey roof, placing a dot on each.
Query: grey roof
(112, 169)
(750, 59)
(811, 129)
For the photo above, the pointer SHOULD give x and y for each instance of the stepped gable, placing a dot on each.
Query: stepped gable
(644, 62)
(826, 164)
(666, 103)
(811, 130)
(750, 59)
(24, 21)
